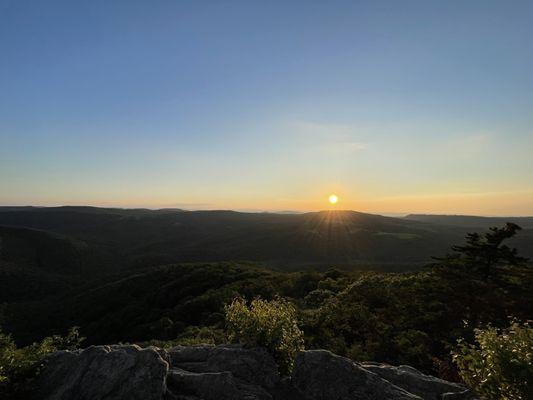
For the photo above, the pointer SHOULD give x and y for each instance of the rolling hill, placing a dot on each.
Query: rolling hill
(99, 240)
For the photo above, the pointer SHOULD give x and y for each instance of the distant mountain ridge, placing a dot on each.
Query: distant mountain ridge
(90, 209)
(470, 220)
(113, 239)
(125, 238)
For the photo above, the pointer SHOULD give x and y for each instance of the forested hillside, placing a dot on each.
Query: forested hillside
(412, 318)
(111, 240)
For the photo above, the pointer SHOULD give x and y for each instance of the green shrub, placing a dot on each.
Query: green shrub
(500, 366)
(268, 324)
(20, 365)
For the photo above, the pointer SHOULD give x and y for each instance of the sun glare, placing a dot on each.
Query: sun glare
(333, 199)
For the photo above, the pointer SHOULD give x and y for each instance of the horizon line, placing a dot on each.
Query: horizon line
(260, 211)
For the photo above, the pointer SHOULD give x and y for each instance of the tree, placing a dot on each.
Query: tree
(484, 252)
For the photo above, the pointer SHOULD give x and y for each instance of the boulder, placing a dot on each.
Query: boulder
(408, 378)
(321, 375)
(103, 372)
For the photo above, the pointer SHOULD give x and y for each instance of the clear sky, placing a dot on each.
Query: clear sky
(395, 106)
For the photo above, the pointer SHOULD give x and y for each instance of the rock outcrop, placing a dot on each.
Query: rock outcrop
(228, 373)
(104, 372)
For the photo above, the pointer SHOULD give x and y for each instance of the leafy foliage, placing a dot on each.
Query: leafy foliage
(20, 365)
(268, 324)
(416, 318)
(500, 366)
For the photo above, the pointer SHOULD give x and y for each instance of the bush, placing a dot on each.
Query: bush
(500, 366)
(19, 366)
(268, 324)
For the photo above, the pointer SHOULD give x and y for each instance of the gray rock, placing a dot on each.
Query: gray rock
(408, 378)
(197, 353)
(213, 386)
(228, 373)
(103, 372)
(321, 375)
(207, 385)
(253, 366)
(464, 395)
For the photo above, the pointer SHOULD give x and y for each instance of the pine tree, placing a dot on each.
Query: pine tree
(484, 252)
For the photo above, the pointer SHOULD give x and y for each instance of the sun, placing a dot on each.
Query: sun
(333, 199)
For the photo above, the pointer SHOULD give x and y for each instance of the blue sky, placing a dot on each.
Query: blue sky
(413, 106)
